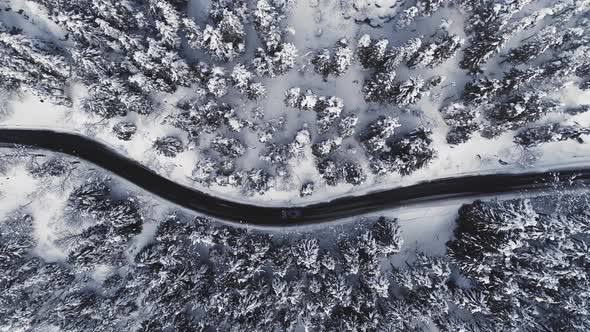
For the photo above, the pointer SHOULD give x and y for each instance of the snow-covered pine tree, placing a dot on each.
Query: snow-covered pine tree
(554, 132)
(462, 122)
(168, 146)
(124, 130)
(378, 132)
(406, 154)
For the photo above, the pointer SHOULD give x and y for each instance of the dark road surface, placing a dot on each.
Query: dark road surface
(107, 158)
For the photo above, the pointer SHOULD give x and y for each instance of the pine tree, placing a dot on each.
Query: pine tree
(517, 111)
(330, 171)
(481, 91)
(322, 62)
(307, 254)
(241, 77)
(405, 155)
(328, 110)
(343, 56)
(378, 132)
(372, 54)
(408, 92)
(227, 146)
(168, 146)
(256, 181)
(124, 214)
(462, 122)
(534, 136)
(91, 198)
(353, 172)
(388, 236)
(334, 63)
(414, 151)
(124, 130)
(327, 146)
(425, 57)
(381, 87)
(516, 79)
(347, 125)
(275, 63)
(217, 82)
(306, 189)
(52, 167)
(256, 91)
(421, 9)
(403, 53)
(447, 47)
(267, 23)
(224, 38)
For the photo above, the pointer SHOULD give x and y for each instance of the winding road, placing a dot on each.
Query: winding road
(197, 201)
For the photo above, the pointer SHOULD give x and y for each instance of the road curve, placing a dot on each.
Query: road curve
(197, 201)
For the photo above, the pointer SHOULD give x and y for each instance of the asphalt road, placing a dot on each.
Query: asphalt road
(189, 198)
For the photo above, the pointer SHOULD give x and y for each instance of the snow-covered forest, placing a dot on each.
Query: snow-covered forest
(81, 251)
(275, 105)
(283, 100)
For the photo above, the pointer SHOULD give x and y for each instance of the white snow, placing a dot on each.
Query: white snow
(21, 193)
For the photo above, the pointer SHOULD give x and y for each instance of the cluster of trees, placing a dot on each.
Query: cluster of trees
(276, 57)
(509, 267)
(195, 275)
(386, 154)
(32, 64)
(529, 270)
(487, 28)
(404, 155)
(168, 146)
(223, 37)
(242, 80)
(325, 63)
(281, 154)
(123, 52)
(334, 171)
(435, 53)
(554, 132)
(494, 106)
(38, 293)
(462, 122)
(422, 8)
(382, 87)
(195, 118)
(222, 171)
(328, 109)
(126, 52)
(51, 167)
(536, 66)
(130, 53)
(415, 53)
